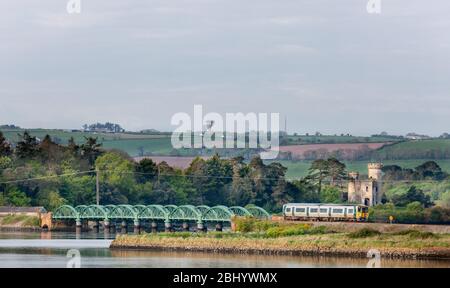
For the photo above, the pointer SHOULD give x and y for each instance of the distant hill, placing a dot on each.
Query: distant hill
(152, 142)
(418, 149)
(9, 126)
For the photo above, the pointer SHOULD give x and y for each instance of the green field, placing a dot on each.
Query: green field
(333, 139)
(431, 149)
(128, 142)
(160, 144)
(298, 169)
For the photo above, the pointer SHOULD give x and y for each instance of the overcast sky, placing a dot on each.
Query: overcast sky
(327, 66)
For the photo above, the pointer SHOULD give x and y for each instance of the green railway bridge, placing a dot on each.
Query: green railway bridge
(110, 215)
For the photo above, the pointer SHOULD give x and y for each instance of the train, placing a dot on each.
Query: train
(325, 212)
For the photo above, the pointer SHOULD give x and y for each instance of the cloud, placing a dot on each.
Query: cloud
(296, 21)
(138, 62)
(294, 49)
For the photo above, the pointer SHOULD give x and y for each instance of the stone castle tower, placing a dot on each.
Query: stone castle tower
(367, 192)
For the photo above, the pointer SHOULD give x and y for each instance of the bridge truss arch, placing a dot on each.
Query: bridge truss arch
(167, 213)
(258, 212)
(186, 213)
(66, 212)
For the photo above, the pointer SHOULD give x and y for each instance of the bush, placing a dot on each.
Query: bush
(270, 229)
(437, 215)
(414, 207)
(415, 234)
(364, 233)
(26, 220)
(248, 224)
(293, 230)
(31, 222)
(412, 213)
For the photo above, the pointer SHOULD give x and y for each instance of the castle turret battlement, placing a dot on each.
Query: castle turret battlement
(367, 192)
(375, 166)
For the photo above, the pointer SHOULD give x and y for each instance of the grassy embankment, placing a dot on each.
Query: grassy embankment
(19, 220)
(264, 237)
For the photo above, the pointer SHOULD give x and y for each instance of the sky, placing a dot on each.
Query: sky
(326, 66)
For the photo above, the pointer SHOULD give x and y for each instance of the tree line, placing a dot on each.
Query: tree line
(44, 173)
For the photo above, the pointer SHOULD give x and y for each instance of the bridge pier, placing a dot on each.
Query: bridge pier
(200, 227)
(96, 226)
(106, 234)
(219, 227)
(186, 226)
(137, 227)
(154, 227)
(124, 227)
(112, 227)
(78, 226)
(167, 226)
(106, 224)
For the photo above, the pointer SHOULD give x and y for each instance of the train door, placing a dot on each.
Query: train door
(351, 212)
(288, 211)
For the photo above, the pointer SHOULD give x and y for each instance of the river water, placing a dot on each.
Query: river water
(51, 249)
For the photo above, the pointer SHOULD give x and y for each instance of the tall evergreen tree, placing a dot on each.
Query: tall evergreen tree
(241, 192)
(49, 150)
(335, 170)
(5, 147)
(146, 170)
(90, 150)
(27, 147)
(73, 147)
(317, 173)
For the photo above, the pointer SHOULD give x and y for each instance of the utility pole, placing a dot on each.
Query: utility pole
(97, 187)
(285, 124)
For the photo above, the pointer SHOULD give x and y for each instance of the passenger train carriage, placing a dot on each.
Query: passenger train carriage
(325, 212)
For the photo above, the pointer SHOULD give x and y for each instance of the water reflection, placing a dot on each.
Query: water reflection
(49, 249)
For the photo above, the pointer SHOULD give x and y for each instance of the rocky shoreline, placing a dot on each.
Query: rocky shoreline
(268, 248)
(19, 229)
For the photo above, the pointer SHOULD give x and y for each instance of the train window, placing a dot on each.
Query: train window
(338, 210)
(288, 210)
(300, 210)
(323, 210)
(313, 210)
(350, 211)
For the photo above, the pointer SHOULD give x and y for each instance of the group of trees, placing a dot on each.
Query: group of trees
(413, 195)
(331, 171)
(44, 173)
(414, 212)
(209, 182)
(30, 171)
(429, 170)
(106, 127)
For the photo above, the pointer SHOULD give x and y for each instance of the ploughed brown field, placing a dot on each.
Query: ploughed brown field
(301, 150)
(298, 151)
